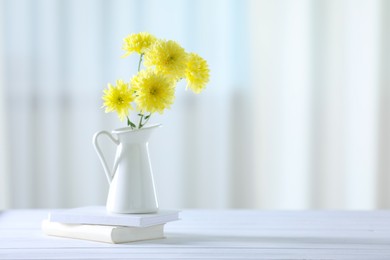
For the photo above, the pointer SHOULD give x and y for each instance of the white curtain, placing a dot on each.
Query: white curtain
(323, 90)
(4, 170)
(295, 115)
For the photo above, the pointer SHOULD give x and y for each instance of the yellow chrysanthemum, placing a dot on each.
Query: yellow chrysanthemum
(197, 73)
(154, 92)
(118, 98)
(168, 57)
(137, 42)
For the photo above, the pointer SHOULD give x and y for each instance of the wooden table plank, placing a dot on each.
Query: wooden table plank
(216, 234)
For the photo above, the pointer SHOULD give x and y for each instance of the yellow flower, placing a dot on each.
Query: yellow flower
(154, 92)
(137, 42)
(168, 57)
(118, 98)
(197, 73)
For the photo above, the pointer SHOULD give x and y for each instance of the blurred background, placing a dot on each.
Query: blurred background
(296, 114)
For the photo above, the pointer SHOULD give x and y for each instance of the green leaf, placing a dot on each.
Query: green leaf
(129, 123)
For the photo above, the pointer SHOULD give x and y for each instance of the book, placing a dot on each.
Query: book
(102, 233)
(98, 215)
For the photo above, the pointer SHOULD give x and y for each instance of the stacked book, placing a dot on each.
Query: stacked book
(95, 223)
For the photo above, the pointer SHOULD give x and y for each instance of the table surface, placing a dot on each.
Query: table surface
(216, 234)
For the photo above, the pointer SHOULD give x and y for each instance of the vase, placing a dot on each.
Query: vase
(131, 181)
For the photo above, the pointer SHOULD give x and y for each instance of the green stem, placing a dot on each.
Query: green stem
(140, 61)
(140, 121)
(141, 115)
(146, 118)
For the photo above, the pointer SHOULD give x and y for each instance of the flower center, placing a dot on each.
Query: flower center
(120, 100)
(153, 91)
(170, 59)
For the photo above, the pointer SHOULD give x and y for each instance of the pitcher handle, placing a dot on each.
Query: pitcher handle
(99, 152)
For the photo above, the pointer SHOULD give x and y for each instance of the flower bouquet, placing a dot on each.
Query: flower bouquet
(152, 89)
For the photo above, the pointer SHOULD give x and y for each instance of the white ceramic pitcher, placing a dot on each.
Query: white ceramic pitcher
(131, 179)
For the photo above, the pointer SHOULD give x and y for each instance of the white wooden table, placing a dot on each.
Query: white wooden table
(216, 234)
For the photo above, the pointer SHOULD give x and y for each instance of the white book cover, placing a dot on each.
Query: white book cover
(100, 233)
(98, 215)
